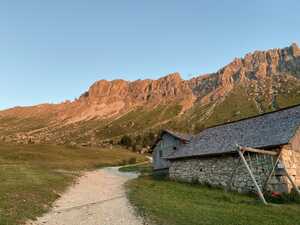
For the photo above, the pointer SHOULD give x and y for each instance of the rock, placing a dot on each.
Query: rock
(112, 99)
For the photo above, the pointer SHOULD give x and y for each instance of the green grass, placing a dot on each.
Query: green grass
(237, 105)
(33, 176)
(144, 168)
(289, 94)
(190, 121)
(11, 125)
(139, 120)
(171, 203)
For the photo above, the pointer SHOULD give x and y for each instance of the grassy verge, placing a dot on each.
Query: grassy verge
(33, 176)
(144, 168)
(171, 203)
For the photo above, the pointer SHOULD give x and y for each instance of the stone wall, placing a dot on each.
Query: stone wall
(219, 171)
(291, 160)
(291, 157)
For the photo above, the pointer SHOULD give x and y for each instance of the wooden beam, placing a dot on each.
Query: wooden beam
(272, 171)
(260, 151)
(260, 194)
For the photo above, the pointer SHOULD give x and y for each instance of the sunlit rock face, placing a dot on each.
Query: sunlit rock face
(264, 77)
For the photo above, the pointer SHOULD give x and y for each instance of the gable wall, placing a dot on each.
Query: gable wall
(165, 145)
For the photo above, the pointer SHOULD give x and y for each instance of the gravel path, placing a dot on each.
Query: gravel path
(98, 198)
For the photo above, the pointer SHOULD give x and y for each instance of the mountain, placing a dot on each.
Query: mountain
(260, 82)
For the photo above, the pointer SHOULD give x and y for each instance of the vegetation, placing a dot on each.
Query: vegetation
(33, 176)
(138, 128)
(144, 168)
(171, 203)
(138, 121)
(139, 141)
(236, 106)
(126, 141)
(191, 121)
(15, 124)
(289, 94)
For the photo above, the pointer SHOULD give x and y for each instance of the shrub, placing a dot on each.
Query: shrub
(126, 141)
(132, 160)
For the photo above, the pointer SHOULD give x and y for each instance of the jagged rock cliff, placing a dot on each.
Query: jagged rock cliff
(259, 82)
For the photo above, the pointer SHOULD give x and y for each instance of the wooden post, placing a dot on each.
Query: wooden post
(260, 194)
(292, 182)
(272, 171)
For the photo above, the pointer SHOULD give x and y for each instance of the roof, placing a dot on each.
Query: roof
(269, 129)
(180, 136)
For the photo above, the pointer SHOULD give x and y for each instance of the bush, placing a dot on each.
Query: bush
(282, 198)
(126, 141)
(132, 161)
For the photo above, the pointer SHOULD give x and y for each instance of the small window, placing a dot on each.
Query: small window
(160, 153)
(174, 148)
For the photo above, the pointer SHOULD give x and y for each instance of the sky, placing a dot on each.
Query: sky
(51, 51)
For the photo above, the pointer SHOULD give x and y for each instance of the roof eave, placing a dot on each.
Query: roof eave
(220, 153)
(201, 156)
(175, 135)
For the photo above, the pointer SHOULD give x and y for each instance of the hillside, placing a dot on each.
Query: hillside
(261, 81)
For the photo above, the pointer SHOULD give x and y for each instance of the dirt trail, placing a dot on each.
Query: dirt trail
(98, 198)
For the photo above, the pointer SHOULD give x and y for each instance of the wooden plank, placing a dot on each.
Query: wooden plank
(260, 151)
(260, 194)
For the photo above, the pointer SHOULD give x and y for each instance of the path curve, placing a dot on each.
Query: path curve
(98, 198)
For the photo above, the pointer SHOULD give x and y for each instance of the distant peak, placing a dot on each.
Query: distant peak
(294, 45)
(295, 50)
(172, 76)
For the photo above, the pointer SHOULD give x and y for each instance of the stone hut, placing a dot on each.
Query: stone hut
(269, 143)
(167, 143)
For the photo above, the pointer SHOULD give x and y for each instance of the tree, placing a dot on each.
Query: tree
(149, 139)
(138, 140)
(126, 141)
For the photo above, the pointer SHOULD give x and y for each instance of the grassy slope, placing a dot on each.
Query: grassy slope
(289, 94)
(32, 176)
(237, 105)
(172, 203)
(190, 120)
(139, 120)
(11, 125)
(135, 121)
(241, 102)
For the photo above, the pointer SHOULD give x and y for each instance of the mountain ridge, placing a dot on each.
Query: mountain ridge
(264, 80)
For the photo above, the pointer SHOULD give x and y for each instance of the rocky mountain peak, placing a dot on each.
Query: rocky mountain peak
(258, 82)
(295, 50)
(172, 77)
(257, 66)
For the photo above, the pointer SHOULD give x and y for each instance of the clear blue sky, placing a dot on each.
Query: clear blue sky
(54, 50)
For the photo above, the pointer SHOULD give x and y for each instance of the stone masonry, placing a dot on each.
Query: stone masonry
(291, 160)
(227, 171)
